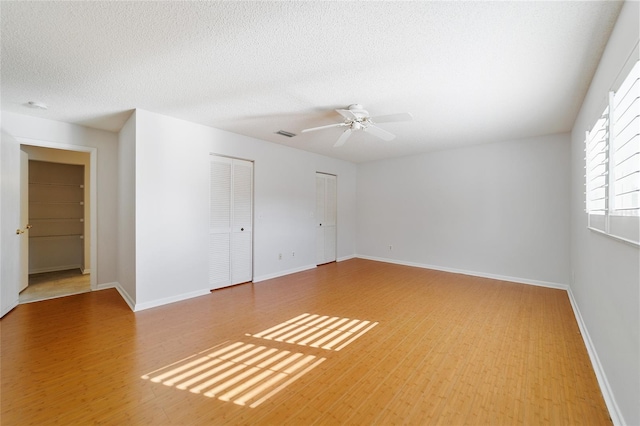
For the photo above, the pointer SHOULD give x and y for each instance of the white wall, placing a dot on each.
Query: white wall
(497, 210)
(126, 212)
(38, 130)
(606, 285)
(172, 205)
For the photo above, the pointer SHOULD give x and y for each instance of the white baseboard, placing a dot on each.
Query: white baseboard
(85, 271)
(105, 286)
(54, 269)
(9, 308)
(135, 307)
(171, 299)
(607, 394)
(472, 273)
(612, 406)
(128, 300)
(342, 259)
(282, 273)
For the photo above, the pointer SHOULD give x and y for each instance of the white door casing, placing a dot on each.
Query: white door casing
(24, 218)
(92, 182)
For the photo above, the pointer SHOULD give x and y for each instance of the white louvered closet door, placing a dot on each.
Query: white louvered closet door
(241, 230)
(220, 222)
(231, 212)
(326, 214)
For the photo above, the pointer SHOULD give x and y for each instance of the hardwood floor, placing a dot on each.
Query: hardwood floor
(415, 347)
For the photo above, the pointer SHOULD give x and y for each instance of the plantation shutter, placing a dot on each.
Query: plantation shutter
(624, 195)
(597, 156)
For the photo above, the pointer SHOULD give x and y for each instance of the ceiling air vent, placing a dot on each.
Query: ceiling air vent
(285, 133)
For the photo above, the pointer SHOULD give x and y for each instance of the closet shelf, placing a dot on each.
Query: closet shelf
(56, 219)
(52, 237)
(73, 185)
(57, 202)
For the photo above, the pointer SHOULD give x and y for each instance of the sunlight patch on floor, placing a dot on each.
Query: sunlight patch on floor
(317, 331)
(242, 373)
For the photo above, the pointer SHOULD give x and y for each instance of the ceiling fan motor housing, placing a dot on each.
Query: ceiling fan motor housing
(359, 111)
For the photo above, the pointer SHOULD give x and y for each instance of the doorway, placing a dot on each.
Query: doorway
(60, 250)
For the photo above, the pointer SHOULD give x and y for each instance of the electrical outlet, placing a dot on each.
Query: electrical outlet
(293, 254)
(390, 247)
(279, 256)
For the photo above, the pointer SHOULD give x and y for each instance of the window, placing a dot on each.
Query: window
(613, 163)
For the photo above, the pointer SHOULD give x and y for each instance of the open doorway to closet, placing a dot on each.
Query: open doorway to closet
(56, 205)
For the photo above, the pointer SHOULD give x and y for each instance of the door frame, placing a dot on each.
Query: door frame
(24, 221)
(93, 195)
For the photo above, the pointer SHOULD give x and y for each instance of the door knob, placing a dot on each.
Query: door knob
(242, 229)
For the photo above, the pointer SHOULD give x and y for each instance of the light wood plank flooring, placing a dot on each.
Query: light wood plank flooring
(415, 347)
(48, 285)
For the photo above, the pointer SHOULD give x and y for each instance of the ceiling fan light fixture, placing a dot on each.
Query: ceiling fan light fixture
(355, 118)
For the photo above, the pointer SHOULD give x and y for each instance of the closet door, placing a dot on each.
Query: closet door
(330, 219)
(326, 214)
(320, 200)
(231, 223)
(220, 222)
(242, 221)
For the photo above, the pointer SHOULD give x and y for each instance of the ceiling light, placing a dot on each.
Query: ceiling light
(37, 105)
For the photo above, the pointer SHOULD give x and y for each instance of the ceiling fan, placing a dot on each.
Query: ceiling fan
(357, 118)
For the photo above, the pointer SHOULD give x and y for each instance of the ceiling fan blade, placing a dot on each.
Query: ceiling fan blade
(343, 138)
(381, 133)
(402, 116)
(348, 114)
(313, 129)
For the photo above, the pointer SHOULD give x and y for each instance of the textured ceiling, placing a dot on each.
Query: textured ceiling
(469, 72)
